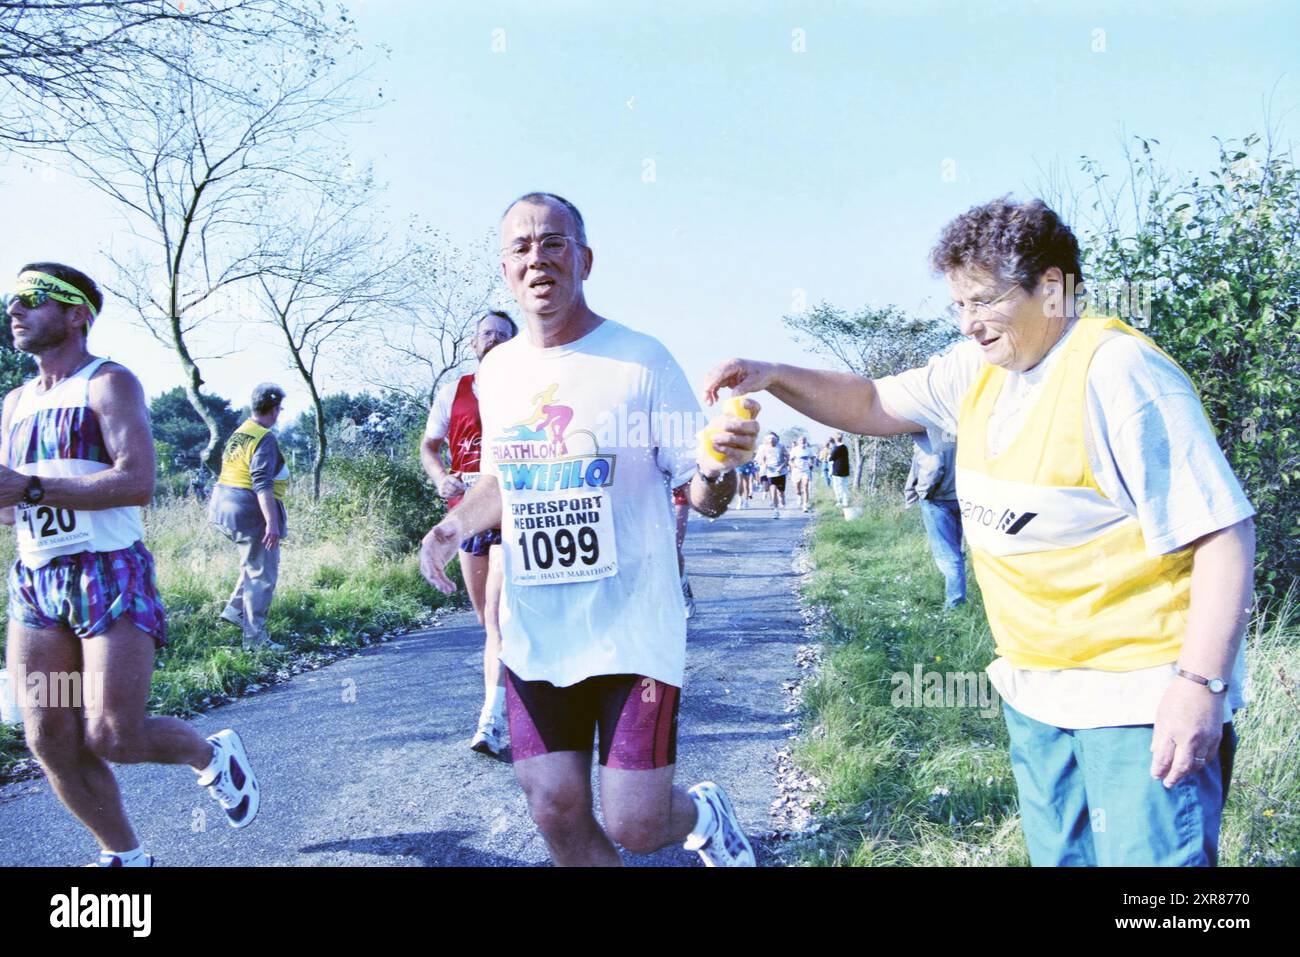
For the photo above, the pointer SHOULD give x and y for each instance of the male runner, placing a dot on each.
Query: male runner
(454, 420)
(592, 624)
(802, 462)
(84, 610)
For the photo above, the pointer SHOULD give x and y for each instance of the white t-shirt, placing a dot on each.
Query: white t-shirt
(1152, 452)
(586, 441)
(439, 422)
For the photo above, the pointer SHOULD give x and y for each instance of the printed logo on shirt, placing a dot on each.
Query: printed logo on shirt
(540, 454)
(1009, 522)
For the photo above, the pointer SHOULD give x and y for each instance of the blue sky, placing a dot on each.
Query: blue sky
(732, 159)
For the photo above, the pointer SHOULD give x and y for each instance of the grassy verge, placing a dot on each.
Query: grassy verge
(342, 585)
(933, 785)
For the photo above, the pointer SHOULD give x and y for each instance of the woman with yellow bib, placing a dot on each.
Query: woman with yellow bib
(1113, 545)
(248, 506)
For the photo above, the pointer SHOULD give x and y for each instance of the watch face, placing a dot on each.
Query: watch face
(1216, 685)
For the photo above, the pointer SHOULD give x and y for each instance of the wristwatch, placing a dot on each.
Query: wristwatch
(717, 480)
(34, 492)
(1216, 685)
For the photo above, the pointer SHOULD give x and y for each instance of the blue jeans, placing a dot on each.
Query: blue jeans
(942, 518)
(1087, 798)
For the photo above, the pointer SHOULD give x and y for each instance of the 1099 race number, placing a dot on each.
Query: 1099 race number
(565, 549)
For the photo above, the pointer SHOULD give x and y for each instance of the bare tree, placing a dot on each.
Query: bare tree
(195, 168)
(448, 290)
(328, 271)
(872, 342)
(62, 59)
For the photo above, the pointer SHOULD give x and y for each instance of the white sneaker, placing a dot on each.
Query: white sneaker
(109, 859)
(688, 597)
(487, 739)
(232, 784)
(725, 845)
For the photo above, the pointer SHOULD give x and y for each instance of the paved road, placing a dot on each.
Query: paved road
(366, 762)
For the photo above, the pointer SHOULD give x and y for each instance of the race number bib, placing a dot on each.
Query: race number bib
(468, 479)
(42, 527)
(561, 537)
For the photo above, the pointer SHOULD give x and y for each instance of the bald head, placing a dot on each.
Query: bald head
(551, 199)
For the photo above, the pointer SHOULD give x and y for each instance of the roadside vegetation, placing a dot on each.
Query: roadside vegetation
(349, 575)
(932, 785)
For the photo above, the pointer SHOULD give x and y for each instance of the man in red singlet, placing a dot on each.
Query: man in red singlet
(454, 421)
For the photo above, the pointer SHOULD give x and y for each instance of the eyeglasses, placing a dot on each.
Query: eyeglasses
(954, 311)
(553, 245)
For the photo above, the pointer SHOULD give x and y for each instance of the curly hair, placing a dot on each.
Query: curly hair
(1015, 242)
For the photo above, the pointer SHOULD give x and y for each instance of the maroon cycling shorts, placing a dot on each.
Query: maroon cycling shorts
(635, 715)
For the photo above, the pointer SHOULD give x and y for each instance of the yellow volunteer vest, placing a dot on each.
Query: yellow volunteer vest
(1065, 574)
(237, 456)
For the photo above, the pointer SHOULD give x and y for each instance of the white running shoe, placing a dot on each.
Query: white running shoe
(688, 597)
(233, 784)
(109, 859)
(725, 844)
(487, 739)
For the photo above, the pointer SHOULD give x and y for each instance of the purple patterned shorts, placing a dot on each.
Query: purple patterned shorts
(480, 543)
(89, 591)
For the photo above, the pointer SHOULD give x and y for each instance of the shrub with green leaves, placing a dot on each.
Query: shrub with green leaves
(1219, 256)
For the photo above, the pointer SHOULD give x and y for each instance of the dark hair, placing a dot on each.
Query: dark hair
(266, 396)
(559, 201)
(1016, 242)
(73, 277)
(514, 329)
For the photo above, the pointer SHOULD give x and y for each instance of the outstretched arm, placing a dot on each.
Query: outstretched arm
(841, 400)
(478, 511)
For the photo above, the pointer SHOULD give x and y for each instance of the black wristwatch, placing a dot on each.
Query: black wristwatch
(722, 476)
(1216, 685)
(34, 492)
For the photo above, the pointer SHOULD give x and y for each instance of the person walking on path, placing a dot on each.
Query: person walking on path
(85, 615)
(839, 459)
(932, 481)
(1113, 546)
(247, 505)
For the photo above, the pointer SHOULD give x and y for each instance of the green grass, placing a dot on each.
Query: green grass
(342, 584)
(933, 785)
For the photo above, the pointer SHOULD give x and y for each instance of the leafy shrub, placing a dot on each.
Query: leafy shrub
(1220, 258)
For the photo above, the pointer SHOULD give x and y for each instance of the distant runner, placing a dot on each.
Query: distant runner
(773, 461)
(85, 616)
(803, 461)
(592, 622)
(454, 422)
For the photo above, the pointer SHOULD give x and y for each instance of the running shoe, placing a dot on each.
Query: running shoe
(109, 859)
(262, 643)
(487, 739)
(232, 782)
(688, 597)
(724, 844)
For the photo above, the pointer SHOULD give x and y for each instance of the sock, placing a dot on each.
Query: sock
(494, 707)
(208, 774)
(706, 821)
(128, 858)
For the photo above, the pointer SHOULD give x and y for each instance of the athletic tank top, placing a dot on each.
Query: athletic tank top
(464, 435)
(57, 435)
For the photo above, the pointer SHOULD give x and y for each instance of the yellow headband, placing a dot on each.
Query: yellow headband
(56, 289)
